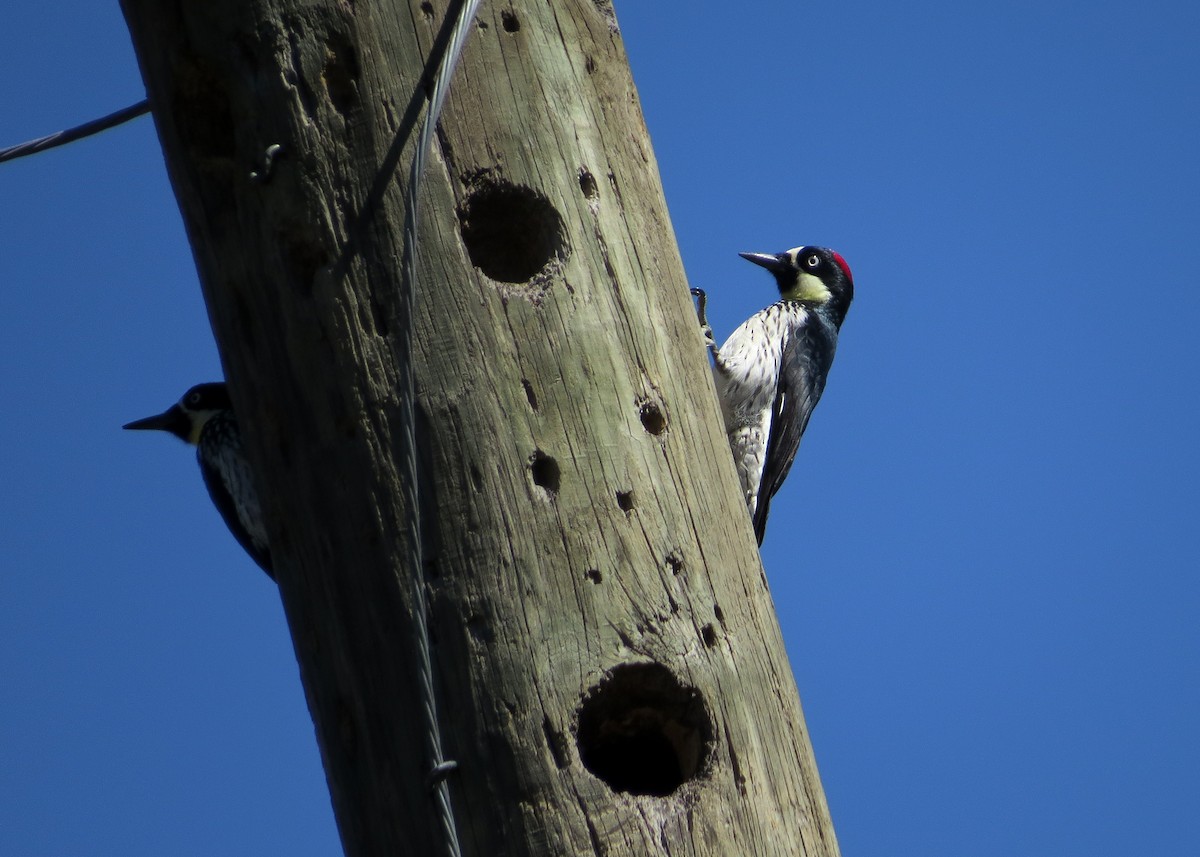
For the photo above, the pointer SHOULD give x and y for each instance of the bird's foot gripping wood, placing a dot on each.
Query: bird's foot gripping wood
(702, 314)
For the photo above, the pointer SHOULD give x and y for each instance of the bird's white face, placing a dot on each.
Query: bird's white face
(808, 287)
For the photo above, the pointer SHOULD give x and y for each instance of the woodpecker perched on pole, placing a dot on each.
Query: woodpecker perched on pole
(771, 371)
(204, 418)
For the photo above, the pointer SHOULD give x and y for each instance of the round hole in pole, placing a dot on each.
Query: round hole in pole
(512, 233)
(545, 472)
(642, 731)
(652, 417)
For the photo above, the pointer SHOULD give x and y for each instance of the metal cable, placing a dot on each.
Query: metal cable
(439, 766)
(70, 135)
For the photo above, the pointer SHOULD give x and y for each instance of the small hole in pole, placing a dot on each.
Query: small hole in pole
(545, 472)
(530, 395)
(587, 184)
(556, 742)
(652, 418)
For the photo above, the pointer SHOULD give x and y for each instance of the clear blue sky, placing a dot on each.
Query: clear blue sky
(989, 581)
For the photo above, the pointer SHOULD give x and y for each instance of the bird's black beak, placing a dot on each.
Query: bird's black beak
(776, 264)
(173, 420)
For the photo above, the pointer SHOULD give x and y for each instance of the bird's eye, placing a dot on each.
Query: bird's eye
(813, 261)
(193, 398)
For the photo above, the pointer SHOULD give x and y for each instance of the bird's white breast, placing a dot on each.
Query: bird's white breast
(746, 371)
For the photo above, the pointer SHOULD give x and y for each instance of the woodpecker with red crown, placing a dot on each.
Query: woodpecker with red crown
(771, 371)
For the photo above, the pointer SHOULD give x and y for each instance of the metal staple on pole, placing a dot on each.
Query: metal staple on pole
(439, 767)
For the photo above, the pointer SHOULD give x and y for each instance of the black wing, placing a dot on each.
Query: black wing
(804, 366)
(225, 469)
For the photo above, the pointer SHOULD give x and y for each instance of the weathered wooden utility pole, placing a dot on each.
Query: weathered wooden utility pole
(610, 673)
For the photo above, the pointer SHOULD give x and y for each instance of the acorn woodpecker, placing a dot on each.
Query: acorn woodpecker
(771, 371)
(204, 418)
